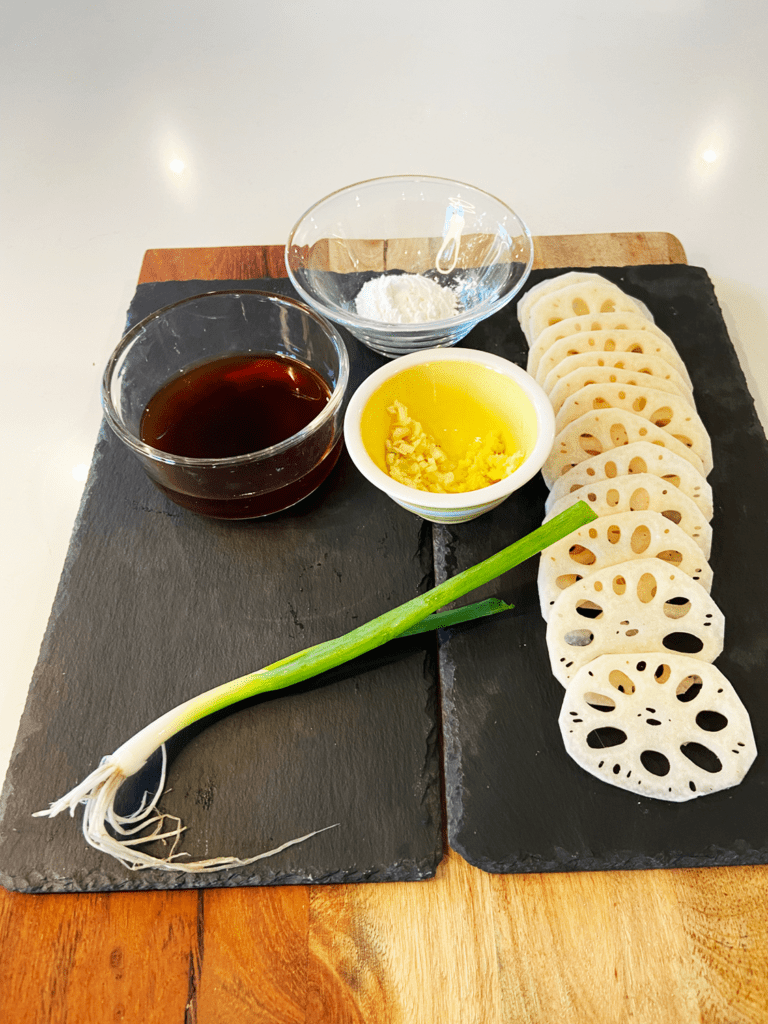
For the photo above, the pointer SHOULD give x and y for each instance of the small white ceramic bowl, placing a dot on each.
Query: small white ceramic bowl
(498, 384)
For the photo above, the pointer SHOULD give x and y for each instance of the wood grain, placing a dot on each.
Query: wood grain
(651, 947)
(251, 262)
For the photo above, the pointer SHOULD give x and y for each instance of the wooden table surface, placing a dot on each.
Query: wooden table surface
(651, 947)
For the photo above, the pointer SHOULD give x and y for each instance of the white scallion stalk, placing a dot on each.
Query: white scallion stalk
(121, 835)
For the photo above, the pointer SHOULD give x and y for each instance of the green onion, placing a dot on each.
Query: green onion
(455, 616)
(98, 791)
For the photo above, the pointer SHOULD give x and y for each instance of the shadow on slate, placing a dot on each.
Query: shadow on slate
(515, 801)
(156, 604)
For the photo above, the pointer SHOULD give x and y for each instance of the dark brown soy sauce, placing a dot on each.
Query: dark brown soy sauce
(237, 405)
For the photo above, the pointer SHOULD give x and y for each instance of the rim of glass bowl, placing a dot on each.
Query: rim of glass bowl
(545, 438)
(157, 455)
(352, 320)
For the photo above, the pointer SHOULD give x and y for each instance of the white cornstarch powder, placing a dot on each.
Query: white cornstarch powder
(405, 299)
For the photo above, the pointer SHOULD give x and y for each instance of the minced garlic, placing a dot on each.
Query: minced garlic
(415, 459)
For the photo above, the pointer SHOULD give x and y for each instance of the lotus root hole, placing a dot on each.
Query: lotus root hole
(619, 585)
(610, 345)
(702, 757)
(581, 555)
(600, 702)
(589, 610)
(689, 688)
(592, 533)
(590, 444)
(684, 440)
(639, 500)
(662, 417)
(662, 673)
(646, 588)
(580, 308)
(672, 515)
(614, 534)
(613, 497)
(677, 607)
(566, 580)
(591, 496)
(610, 470)
(636, 348)
(711, 721)
(672, 478)
(655, 762)
(673, 557)
(605, 736)
(600, 403)
(639, 404)
(637, 465)
(641, 538)
(618, 435)
(609, 306)
(683, 643)
(621, 681)
(579, 638)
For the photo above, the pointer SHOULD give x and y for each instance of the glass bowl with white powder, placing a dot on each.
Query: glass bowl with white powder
(408, 263)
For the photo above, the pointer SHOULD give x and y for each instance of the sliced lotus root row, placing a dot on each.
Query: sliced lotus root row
(636, 580)
(628, 342)
(611, 540)
(642, 493)
(596, 432)
(627, 320)
(591, 295)
(634, 459)
(592, 367)
(587, 372)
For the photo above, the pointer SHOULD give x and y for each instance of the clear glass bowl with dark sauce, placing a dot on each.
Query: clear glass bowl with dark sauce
(232, 401)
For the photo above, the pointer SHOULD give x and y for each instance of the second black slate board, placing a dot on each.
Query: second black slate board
(156, 604)
(515, 801)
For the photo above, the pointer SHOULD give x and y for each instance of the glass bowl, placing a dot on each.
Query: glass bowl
(434, 385)
(257, 383)
(453, 234)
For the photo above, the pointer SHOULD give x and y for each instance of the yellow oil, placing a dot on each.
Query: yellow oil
(456, 402)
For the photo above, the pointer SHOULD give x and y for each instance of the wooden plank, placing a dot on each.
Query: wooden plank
(688, 947)
(95, 958)
(213, 263)
(607, 250)
(244, 262)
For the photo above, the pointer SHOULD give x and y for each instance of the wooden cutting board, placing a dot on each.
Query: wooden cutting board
(656, 947)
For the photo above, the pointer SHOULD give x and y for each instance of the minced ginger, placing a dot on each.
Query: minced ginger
(415, 459)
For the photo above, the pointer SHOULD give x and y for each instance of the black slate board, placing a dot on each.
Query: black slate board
(156, 604)
(515, 801)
